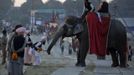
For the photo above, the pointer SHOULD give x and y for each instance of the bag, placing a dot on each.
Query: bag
(14, 56)
(39, 49)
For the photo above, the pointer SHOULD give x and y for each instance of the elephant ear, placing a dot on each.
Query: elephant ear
(68, 30)
(71, 20)
(78, 29)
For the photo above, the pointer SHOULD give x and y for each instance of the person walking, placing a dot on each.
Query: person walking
(70, 49)
(3, 46)
(130, 53)
(62, 46)
(27, 55)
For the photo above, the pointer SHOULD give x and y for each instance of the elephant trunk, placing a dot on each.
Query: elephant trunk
(56, 37)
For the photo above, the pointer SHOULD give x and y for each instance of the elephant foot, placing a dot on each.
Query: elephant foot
(124, 66)
(80, 64)
(114, 65)
(48, 52)
(77, 64)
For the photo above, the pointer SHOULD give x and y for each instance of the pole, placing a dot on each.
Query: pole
(32, 17)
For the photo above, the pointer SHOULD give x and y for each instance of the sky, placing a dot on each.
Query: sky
(18, 3)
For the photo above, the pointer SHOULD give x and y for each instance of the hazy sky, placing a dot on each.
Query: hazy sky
(19, 2)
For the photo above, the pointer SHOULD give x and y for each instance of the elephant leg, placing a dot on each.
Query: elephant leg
(78, 52)
(78, 58)
(123, 58)
(83, 54)
(114, 56)
(83, 49)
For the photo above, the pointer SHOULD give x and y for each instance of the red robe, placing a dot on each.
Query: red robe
(97, 33)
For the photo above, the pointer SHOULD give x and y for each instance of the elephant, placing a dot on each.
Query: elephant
(74, 27)
(117, 43)
(116, 40)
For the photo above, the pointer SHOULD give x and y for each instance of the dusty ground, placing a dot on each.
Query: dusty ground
(43, 69)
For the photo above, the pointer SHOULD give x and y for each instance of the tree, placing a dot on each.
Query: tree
(79, 7)
(31, 5)
(53, 4)
(5, 6)
(28, 6)
(73, 7)
(123, 8)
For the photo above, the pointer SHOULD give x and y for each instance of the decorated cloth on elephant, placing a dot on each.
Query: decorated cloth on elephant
(98, 31)
(98, 26)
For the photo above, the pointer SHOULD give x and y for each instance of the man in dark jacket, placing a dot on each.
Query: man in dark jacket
(15, 47)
